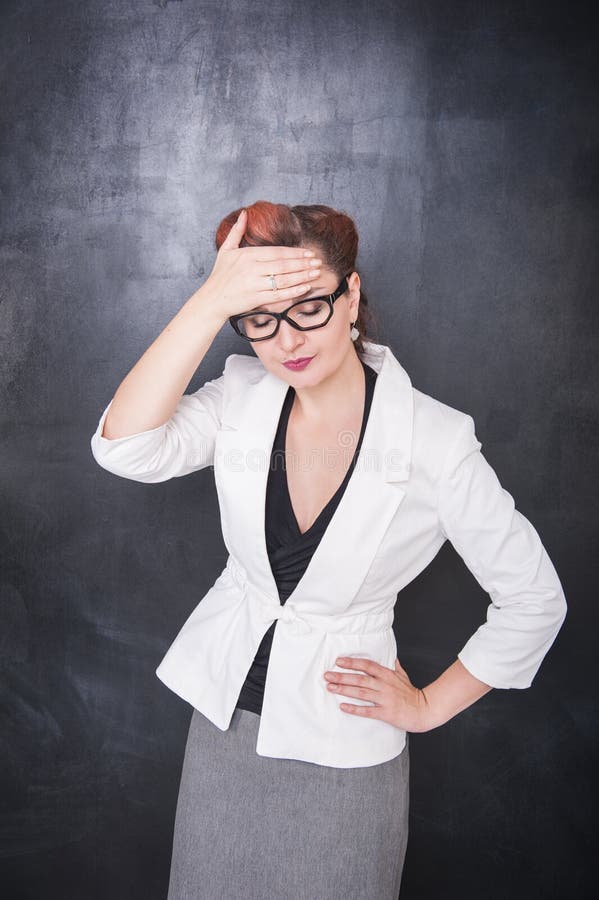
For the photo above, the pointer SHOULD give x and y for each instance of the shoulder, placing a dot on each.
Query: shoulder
(433, 415)
(439, 431)
(435, 426)
(240, 376)
(241, 369)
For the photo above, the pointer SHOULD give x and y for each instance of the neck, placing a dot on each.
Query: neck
(334, 398)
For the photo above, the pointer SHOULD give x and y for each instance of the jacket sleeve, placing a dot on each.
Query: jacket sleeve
(505, 554)
(182, 445)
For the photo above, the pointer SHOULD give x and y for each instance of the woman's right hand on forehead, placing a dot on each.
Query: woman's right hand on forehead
(240, 278)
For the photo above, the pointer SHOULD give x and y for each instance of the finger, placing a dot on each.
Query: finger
(269, 252)
(304, 279)
(233, 239)
(266, 297)
(369, 712)
(369, 666)
(286, 266)
(362, 681)
(352, 690)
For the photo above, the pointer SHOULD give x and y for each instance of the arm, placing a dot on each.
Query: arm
(151, 432)
(452, 692)
(505, 554)
(149, 393)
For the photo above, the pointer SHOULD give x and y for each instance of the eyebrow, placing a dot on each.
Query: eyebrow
(321, 292)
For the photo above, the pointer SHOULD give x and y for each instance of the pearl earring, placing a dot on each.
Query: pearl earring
(354, 333)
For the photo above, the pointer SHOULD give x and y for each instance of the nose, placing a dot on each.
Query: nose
(289, 337)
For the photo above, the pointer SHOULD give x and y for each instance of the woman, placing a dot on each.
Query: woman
(301, 790)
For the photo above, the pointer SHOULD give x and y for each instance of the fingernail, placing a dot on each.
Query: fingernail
(309, 253)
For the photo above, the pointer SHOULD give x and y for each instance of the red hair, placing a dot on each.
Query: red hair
(332, 232)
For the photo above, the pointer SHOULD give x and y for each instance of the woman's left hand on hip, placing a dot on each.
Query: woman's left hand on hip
(396, 700)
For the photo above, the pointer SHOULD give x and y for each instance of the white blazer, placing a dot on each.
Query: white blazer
(420, 479)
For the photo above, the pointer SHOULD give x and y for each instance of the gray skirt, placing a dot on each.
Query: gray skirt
(264, 828)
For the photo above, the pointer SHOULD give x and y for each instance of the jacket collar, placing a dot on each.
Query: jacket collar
(371, 498)
(257, 408)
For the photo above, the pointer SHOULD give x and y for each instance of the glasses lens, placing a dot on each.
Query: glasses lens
(258, 325)
(310, 313)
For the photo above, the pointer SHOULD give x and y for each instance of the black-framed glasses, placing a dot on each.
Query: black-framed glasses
(303, 315)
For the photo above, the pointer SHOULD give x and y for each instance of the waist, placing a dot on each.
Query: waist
(291, 613)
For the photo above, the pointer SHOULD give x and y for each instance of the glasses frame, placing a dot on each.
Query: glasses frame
(279, 316)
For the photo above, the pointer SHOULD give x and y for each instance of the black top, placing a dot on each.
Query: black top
(290, 551)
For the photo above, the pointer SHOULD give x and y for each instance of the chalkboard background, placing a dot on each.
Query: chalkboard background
(462, 137)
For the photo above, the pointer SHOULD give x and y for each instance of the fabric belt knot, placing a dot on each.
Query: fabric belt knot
(272, 611)
(268, 607)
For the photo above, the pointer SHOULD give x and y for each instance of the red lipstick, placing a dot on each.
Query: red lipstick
(296, 365)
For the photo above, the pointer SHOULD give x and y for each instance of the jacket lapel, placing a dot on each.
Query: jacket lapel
(371, 499)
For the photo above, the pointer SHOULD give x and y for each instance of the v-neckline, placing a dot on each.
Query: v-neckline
(346, 477)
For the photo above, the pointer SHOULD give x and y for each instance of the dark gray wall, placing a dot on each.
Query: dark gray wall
(463, 139)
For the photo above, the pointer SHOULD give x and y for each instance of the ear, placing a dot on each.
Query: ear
(354, 295)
